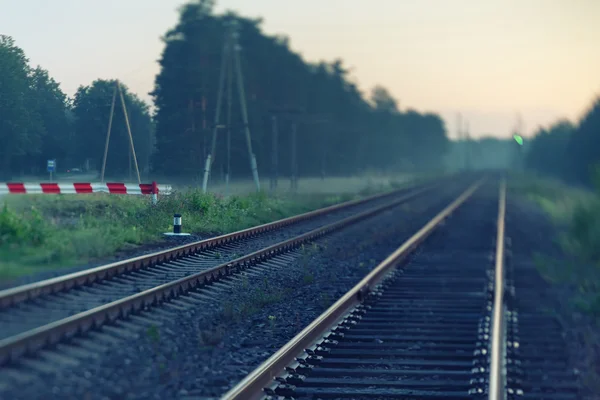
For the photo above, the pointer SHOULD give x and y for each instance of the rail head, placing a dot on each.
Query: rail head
(497, 374)
(252, 386)
(12, 296)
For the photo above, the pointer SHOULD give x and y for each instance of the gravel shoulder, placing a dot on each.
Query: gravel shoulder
(538, 242)
(202, 351)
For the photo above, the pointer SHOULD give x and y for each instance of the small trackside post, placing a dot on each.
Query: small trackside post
(154, 193)
(177, 224)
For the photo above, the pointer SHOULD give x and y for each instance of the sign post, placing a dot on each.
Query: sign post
(51, 167)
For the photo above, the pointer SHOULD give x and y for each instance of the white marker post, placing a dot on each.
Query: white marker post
(177, 227)
(177, 224)
(154, 193)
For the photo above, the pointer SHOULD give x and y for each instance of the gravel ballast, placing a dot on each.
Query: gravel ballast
(200, 351)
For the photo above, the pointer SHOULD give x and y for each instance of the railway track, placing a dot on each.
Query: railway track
(46, 313)
(439, 318)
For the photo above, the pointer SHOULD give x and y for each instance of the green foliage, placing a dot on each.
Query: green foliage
(578, 213)
(21, 125)
(153, 333)
(325, 300)
(17, 231)
(548, 150)
(260, 295)
(484, 153)
(357, 136)
(568, 151)
(91, 109)
(211, 337)
(56, 137)
(584, 232)
(38, 122)
(38, 232)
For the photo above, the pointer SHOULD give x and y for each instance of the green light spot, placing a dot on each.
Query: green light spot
(518, 139)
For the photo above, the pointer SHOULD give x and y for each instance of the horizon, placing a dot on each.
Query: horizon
(425, 36)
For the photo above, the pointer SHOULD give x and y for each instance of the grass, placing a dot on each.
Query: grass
(557, 199)
(255, 298)
(576, 212)
(40, 232)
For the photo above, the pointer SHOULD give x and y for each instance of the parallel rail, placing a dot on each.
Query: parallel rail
(497, 378)
(252, 386)
(33, 340)
(12, 296)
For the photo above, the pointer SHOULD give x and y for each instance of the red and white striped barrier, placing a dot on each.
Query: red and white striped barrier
(77, 188)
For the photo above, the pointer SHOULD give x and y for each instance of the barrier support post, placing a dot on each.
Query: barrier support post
(154, 193)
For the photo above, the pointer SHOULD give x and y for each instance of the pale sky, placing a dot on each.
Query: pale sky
(488, 59)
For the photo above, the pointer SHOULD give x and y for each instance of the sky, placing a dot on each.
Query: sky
(490, 60)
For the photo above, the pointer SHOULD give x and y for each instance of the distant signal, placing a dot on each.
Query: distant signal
(518, 139)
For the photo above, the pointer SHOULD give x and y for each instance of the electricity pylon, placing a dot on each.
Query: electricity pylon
(230, 64)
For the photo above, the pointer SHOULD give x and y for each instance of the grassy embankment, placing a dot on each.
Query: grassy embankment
(576, 279)
(576, 213)
(41, 232)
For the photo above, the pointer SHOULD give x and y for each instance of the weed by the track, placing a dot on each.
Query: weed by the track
(325, 300)
(253, 298)
(272, 319)
(153, 333)
(211, 337)
(307, 252)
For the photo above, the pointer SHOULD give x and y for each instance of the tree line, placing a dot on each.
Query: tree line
(38, 122)
(567, 150)
(485, 153)
(339, 130)
(353, 133)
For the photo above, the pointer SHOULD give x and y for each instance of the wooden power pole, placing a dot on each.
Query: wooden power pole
(132, 154)
(231, 59)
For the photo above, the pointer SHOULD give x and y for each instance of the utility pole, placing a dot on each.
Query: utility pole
(294, 163)
(323, 157)
(127, 125)
(129, 162)
(231, 54)
(110, 120)
(296, 116)
(468, 147)
(274, 153)
(228, 138)
(459, 139)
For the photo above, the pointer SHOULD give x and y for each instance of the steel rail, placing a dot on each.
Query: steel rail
(30, 341)
(252, 386)
(497, 376)
(13, 296)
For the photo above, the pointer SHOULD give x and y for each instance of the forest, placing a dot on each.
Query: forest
(567, 150)
(339, 130)
(39, 122)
